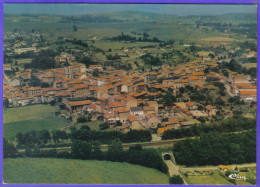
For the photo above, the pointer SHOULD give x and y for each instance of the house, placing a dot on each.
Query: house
(130, 102)
(7, 67)
(111, 119)
(172, 122)
(78, 106)
(48, 79)
(34, 90)
(186, 123)
(211, 110)
(137, 111)
(248, 95)
(92, 107)
(149, 109)
(151, 120)
(191, 106)
(24, 101)
(153, 104)
(70, 71)
(134, 122)
(123, 114)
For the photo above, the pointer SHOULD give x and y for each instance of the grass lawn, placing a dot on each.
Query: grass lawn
(69, 171)
(214, 179)
(33, 117)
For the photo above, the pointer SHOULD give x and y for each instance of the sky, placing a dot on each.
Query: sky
(174, 9)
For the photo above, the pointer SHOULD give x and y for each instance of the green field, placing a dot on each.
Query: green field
(34, 117)
(214, 179)
(68, 171)
(164, 27)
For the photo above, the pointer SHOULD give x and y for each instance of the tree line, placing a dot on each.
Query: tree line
(216, 148)
(226, 126)
(125, 37)
(59, 138)
(91, 150)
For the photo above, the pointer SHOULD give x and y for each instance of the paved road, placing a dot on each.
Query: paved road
(173, 169)
(228, 88)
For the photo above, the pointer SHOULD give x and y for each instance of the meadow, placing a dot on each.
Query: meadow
(164, 27)
(68, 171)
(33, 117)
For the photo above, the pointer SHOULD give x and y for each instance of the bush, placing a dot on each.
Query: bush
(9, 150)
(104, 126)
(81, 120)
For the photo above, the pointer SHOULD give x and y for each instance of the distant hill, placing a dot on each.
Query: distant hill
(172, 9)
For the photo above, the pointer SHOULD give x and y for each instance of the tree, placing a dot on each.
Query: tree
(34, 81)
(176, 179)
(75, 28)
(80, 149)
(95, 73)
(145, 35)
(104, 126)
(81, 119)
(96, 151)
(115, 151)
(45, 136)
(6, 103)
(9, 150)
(84, 127)
(168, 99)
(118, 123)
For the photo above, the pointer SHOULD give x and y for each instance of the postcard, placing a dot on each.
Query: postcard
(129, 93)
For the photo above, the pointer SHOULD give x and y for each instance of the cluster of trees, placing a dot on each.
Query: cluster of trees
(215, 149)
(248, 45)
(83, 119)
(9, 150)
(196, 95)
(78, 42)
(43, 60)
(44, 138)
(111, 57)
(33, 138)
(149, 59)
(87, 18)
(104, 137)
(134, 155)
(168, 99)
(221, 87)
(233, 65)
(225, 126)
(125, 37)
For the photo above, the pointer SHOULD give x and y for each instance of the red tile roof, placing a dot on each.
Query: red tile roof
(79, 103)
(247, 92)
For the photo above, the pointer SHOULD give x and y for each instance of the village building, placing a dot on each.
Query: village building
(137, 111)
(211, 110)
